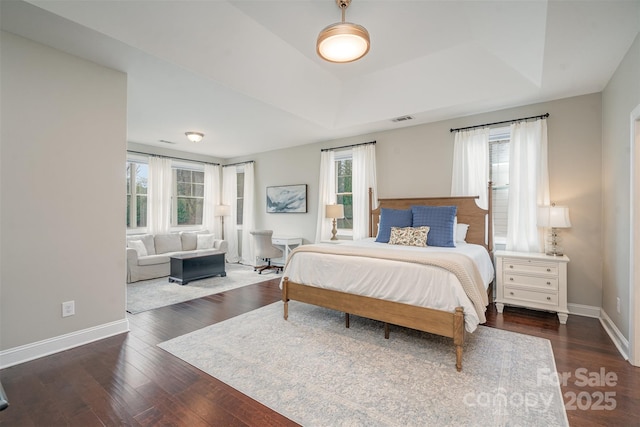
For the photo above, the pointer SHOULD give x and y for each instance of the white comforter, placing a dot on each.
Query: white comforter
(408, 283)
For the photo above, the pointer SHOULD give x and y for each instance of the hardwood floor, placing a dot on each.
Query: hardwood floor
(128, 380)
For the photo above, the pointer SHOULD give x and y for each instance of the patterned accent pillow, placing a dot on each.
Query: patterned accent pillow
(409, 236)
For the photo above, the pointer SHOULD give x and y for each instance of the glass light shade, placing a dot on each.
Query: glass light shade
(554, 217)
(343, 42)
(194, 136)
(334, 211)
(221, 210)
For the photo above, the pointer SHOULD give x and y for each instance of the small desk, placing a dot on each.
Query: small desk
(287, 244)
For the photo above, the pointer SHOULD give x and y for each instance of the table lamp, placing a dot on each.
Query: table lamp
(334, 212)
(554, 217)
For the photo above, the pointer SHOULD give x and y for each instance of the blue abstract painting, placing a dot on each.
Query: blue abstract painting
(287, 199)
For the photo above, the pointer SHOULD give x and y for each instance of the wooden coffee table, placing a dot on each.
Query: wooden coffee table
(188, 267)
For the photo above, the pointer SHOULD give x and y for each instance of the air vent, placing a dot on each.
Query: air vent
(166, 142)
(402, 119)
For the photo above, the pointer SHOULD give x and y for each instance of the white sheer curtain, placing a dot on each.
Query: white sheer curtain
(159, 195)
(248, 218)
(471, 165)
(230, 197)
(528, 185)
(326, 193)
(363, 177)
(211, 199)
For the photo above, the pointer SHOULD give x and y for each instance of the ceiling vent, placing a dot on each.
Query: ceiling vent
(166, 142)
(402, 119)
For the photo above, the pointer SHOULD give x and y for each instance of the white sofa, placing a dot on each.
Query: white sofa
(148, 254)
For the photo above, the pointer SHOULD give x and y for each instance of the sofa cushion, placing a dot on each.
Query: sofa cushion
(154, 259)
(167, 243)
(147, 239)
(189, 241)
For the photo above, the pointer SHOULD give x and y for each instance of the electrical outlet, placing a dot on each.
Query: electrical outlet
(618, 304)
(68, 308)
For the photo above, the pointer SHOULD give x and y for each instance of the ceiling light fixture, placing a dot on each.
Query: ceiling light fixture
(194, 136)
(343, 41)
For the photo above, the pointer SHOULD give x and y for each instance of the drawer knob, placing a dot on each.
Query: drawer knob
(548, 269)
(548, 283)
(511, 278)
(510, 293)
(511, 266)
(548, 298)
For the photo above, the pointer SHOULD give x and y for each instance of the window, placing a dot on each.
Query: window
(499, 175)
(188, 200)
(344, 195)
(240, 199)
(137, 174)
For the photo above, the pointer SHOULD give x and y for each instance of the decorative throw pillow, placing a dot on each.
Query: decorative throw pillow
(204, 241)
(461, 232)
(440, 220)
(139, 246)
(392, 218)
(409, 236)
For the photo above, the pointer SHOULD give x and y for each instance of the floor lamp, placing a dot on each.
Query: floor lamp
(222, 211)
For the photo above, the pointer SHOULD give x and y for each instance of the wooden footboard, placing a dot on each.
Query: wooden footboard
(447, 324)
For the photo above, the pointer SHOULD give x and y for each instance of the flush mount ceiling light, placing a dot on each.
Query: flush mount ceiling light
(343, 41)
(194, 136)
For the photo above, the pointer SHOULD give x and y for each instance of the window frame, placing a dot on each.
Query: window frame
(340, 156)
(501, 135)
(131, 191)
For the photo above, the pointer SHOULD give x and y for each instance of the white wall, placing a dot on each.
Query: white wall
(620, 97)
(417, 161)
(62, 194)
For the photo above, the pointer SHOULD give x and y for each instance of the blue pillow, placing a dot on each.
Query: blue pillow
(392, 218)
(440, 221)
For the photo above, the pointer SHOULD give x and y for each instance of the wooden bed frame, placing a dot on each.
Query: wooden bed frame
(444, 323)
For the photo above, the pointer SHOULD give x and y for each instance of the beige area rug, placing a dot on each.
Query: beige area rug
(149, 294)
(316, 372)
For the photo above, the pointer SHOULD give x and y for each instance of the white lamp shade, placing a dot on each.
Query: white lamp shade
(222, 210)
(553, 216)
(334, 211)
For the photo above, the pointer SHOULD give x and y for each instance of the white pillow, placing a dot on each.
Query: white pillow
(139, 246)
(204, 241)
(461, 232)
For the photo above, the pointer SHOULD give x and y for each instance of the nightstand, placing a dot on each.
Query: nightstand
(532, 280)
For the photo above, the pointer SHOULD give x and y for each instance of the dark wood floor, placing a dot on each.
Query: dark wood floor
(128, 380)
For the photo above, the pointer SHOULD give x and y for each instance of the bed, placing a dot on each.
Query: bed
(393, 284)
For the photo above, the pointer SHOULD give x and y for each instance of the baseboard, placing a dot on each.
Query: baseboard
(621, 343)
(584, 310)
(25, 353)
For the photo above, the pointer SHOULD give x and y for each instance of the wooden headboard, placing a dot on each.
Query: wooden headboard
(480, 229)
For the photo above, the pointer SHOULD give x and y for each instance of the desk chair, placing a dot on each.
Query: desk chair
(265, 250)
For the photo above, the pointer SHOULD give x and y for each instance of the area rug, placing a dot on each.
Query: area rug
(316, 372)
(149, 294)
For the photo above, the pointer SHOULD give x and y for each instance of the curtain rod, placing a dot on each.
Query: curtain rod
(543, 116)
(171, 157)
(348, 146)
(239, 163)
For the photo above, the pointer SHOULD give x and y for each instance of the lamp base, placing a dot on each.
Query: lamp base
(334, 231)
(554, 253)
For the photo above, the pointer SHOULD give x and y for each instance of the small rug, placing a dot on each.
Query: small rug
(149, 294)
(316, 372)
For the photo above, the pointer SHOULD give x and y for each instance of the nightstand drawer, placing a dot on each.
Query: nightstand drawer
(517, 294)
(526, 266)
(535, 281)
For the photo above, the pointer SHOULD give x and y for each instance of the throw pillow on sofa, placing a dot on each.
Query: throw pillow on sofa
(166, 243)
(205, 241)
(138, 245)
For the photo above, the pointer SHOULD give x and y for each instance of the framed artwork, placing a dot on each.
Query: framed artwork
(287, 199)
